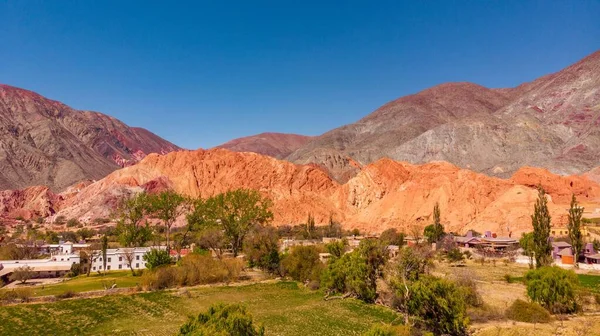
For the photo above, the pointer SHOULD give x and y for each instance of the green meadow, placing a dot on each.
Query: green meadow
(284, 308)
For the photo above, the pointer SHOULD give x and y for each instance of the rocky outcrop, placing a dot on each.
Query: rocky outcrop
(383, 194)
(277, 145)
(44, 142)
(29, 203)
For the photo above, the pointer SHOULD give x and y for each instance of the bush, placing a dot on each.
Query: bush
(223, 320)
(439, 304)
(73, 222)
(387, 330)
(485, 313)
(468, 287)
(529, 312)
(60, 220)
(65, 295)
(22, 274)
(508, 278)
(192, 270)
(554, 289)
(302, 264)
(156, 258)
(16, 295)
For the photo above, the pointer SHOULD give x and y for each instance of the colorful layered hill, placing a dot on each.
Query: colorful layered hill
(45, 142)
(552, 122)
(383, 194)
(277, 145)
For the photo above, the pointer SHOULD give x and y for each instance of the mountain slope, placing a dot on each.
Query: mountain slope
(552, 122)
(44, 142)
(277, 145)
(383, 194)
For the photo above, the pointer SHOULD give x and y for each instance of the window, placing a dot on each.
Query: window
(108, 268)
(137, 265)
(120, 266)
(100, 258)
(94, 268)
(553, 233)
(120, 258)
(137, 257)
(109, 259)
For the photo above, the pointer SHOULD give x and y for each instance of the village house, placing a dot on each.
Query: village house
(117, 259)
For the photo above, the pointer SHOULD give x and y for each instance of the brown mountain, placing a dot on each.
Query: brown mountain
(277, 145)
(45, 142)
(383, 194)
(552, 122)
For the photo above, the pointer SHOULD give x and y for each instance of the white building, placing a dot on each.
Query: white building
(116, 259)
(55, 266)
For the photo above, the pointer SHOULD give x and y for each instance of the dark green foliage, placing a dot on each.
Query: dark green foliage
(222, 320)
(574, 227)
(434, 232)
(262, 249)
(22, 274)
(310, 228)
(73, 222)
(60, 220)
(65, 295)
(104, 249)
(554, 288)
(156, 258)
(541, 223)
(302, 263)
(357, 272)
(439, 306)
(529, 312)
(334, 229)
(85, 233)
(392, 237)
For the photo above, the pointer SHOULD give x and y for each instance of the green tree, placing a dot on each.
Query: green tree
(553, 288)
(434, 232)
(356, 273)
(455, 255)
(337, 248)
(528, 246)
(130, 214)
(392, 237)
(222, 320)
(334, 229)
(22, 274)
(262, 249)
(237, 212)
(541, 222)
(439, 305)
(166, 206)
(104, 248)
(574, 227)
(302, 263)
(156, 258)
(311, 228)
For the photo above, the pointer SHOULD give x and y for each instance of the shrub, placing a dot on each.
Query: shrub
(73, 222)
(529, 312)
(160, 278)
(60, 220)
(223, 320)
(485, 313)
(17, 294)
(262, 249)
(302, 264)
(468, 287)
(439, 304)
(508, 278)
(553, 288)
(65, 295)
(387, 330)
(156, 258)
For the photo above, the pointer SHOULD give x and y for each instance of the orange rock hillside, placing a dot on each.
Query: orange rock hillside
(382, 195)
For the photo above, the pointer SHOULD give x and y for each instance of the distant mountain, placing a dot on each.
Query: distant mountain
(277, 145)
(552, 122)
(45, 142)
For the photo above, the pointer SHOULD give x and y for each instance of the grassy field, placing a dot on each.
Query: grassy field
(82, 283)
(283, 308)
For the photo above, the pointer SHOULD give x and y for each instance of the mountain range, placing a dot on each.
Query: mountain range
(478, 152)
(45, 142)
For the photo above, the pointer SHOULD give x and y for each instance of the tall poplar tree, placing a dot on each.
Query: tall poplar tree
(540, 221)
(574, 226)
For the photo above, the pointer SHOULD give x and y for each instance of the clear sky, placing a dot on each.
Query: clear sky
(203, 72)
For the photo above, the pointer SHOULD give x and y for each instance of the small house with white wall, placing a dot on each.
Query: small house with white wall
(117, 259)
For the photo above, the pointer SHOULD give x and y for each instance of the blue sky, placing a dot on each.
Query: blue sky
(201, 73)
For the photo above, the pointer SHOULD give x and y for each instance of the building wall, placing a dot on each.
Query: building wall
(116, 260)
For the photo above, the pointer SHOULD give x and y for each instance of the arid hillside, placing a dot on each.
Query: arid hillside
(277, 145)
(45, 142)
(552, 122)
(383, 194)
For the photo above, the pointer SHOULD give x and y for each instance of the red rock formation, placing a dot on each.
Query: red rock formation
(383, 194)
